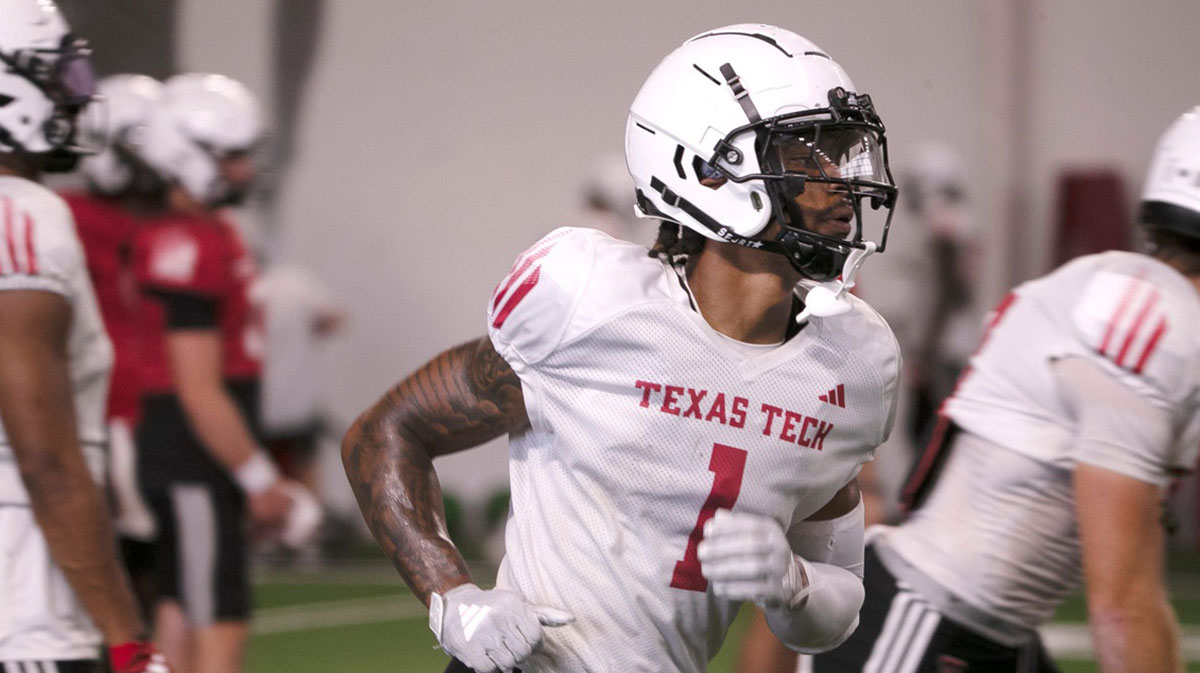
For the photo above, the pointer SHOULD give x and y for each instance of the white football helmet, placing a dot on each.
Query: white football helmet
(46, 78)
(199, 120)
(117, 126)
(762, 112)
(1171, 197)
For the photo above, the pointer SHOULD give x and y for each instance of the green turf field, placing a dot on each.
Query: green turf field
(360, 618)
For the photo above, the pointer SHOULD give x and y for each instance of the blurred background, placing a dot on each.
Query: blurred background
(417, 148)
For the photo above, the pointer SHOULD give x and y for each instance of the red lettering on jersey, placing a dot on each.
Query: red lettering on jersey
(790, 418)
(647, 388)
(669, 397)
(694, 405)
(802, 440)
(772, 412)
(823, 430)
(737, 417)
(718, 409)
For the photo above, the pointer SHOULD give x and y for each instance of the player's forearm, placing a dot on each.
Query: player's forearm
(1142, 637)
(465, 396)
(401, 500)
(828, 615)
(219, 424)
(74, 519)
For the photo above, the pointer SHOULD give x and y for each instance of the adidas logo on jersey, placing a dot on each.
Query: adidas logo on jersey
(837, 396)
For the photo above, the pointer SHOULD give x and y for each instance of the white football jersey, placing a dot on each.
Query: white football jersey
(39, 250)
(1132, 315)
(645, 421)
(999, 529)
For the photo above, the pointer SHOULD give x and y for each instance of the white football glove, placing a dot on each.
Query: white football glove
(746, 557)
(490, 630)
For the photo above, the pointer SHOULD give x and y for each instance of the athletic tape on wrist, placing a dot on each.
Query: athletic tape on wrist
(437, 608)
(256, 474)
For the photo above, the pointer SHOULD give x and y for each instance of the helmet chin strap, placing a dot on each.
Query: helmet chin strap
(827, 299)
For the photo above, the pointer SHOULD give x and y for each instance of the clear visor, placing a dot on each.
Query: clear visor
(834, 179)
(832, 153)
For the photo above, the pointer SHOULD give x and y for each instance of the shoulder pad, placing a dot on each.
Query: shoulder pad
(1140, 325)
(531, 307)
(38, 245)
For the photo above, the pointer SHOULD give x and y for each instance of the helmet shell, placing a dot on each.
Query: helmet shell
(198, 119)
(686, 102)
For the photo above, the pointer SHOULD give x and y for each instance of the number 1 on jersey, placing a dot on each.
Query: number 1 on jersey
(727, 465)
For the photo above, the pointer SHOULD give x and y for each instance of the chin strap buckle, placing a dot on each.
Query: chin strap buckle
(826, 299)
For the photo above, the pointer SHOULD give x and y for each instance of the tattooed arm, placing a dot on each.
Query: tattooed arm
(461, 398)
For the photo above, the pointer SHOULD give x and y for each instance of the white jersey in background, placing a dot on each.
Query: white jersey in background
(644, 421)
(40, 618)
(998, 529)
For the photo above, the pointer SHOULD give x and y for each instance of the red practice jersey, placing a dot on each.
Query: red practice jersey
(106, 231)
(200, 257)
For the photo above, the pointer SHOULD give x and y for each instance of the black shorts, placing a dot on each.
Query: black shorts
(200, 554)
(900, 632)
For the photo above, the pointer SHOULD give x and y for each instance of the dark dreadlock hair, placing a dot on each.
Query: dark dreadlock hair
(675, 240)
(1181, 251)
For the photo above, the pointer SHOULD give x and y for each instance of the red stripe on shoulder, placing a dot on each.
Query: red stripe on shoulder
(1150, 345)
(517, 295)
(30, 252)
(1137, 327)
(1122, 305)
(9, 256)
(515, 274)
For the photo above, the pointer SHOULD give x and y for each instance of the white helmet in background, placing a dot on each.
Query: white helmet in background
(46, 78)
(728, 105)
(118, 127)
(200, 120)
(1171, 197)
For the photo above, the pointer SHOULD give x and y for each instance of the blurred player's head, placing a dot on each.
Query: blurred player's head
(1171, 198)
(46, 79)
(934, 178)
(753, 135)
(118, 127)
(202, 136)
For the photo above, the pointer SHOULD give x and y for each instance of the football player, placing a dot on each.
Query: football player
(685, 427)
(61, 585)
(200, 462)
(1051, 463)
(121, 192)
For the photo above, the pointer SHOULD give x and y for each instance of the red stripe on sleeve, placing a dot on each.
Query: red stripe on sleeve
(10, 247)
(1137, 327)
(1126, 298)
(517, 295)
(516, 274)
(31, 256)
(1149, 349)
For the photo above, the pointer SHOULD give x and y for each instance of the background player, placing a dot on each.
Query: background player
(200, 463)
(121, 192)
(679, 441)
(61, 585)
(1052, 461)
